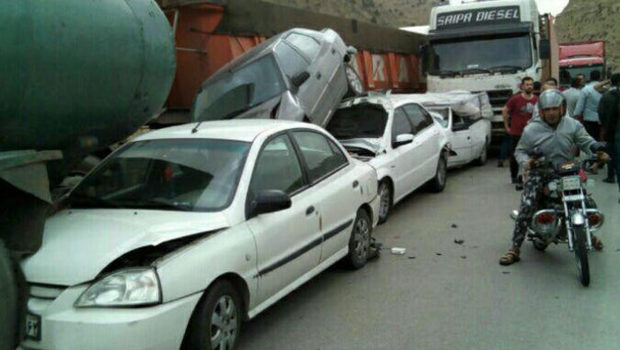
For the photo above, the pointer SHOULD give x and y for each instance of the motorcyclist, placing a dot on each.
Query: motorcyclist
(557, 137)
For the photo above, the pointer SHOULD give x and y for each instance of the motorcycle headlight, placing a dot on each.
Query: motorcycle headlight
(124, 288)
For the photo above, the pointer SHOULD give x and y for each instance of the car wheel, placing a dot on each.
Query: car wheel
(355, 87)
(216, 323)
(359, 243)
(385, 200)
(482, 159)
(438, 183)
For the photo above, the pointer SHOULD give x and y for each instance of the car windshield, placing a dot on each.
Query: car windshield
(187, 175)
(238, 91)
(358, 121)
(471, 55)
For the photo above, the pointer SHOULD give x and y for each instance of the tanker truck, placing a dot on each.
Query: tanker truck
(76, 76)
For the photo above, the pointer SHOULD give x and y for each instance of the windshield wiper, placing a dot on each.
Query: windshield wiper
(475, 70)
(509, 68)
(443, 73)
(83, 200)
(155, 204)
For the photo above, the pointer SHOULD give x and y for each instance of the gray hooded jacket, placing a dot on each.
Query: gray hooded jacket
(559, 145)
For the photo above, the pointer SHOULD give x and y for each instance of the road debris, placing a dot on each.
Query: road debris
(459, 241)
(398, 251)
(455, 226)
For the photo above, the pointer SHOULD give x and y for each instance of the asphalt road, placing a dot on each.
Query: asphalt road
(443, 295)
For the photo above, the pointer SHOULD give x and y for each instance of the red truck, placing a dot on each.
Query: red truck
(581, 58)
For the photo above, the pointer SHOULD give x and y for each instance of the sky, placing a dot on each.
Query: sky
(551, 6)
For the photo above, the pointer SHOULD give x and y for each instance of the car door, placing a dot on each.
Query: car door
(334, 180)
(461, 140)
(478, 132)
(407, 158)
(288, 242)
(426, 140)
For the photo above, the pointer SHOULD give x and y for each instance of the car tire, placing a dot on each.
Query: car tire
(482, 159)
(222, 302)
(438, 183)
(355, 86)
(386, 198)
(359, 243)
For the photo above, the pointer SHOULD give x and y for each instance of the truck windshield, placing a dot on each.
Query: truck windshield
(567, 73)
(359, 121)
(239, 90)
(186, 175)
(492, 54)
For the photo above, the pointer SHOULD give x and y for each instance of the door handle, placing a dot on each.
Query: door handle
(310, 210)
(355, 184)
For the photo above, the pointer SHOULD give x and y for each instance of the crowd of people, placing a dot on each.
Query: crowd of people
(561, 124)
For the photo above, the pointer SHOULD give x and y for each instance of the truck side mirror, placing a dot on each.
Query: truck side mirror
(544, 49)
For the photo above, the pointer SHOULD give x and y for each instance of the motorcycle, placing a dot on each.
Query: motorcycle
(567, 213)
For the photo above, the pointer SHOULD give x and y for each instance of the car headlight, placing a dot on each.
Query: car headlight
(123, 288)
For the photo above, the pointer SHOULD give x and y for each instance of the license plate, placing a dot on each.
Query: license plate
(33, 326)
(570, 183)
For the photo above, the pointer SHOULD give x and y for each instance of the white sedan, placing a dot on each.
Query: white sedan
(469, 138)
(184, 232)
(399, 138)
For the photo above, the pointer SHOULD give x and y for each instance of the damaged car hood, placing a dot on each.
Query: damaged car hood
(79, 244)
(369, 144)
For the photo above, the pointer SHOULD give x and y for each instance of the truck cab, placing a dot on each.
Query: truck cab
(489, 46)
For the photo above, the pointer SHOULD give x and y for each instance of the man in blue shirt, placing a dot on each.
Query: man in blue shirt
(587, 106)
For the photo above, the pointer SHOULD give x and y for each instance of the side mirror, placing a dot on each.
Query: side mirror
(300, 78)
(402, 139)
(544, 49)
(269, 201)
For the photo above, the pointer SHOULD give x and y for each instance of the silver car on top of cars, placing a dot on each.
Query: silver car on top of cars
(299, 74)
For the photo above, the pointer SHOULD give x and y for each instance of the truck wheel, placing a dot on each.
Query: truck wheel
(216, 323)
(8, 300)
(355, 87)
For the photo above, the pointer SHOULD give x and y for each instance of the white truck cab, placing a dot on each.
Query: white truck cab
(489, 46)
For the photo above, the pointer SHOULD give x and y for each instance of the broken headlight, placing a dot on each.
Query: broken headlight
(123, 288)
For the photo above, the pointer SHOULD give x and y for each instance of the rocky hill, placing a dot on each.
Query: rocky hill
(584, 20)
(581, 20)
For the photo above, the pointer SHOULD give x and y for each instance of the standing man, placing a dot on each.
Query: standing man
(609, 114)
(581, 78)
(519, 109)
(572, 97)
(587, 106)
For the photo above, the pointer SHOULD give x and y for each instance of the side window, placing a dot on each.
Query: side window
(401, 124)
(418, 117)
(277, 168)
(292, 63)
(322, 156)
(309, 46)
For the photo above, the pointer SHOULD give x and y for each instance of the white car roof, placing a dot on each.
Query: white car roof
(236, 129)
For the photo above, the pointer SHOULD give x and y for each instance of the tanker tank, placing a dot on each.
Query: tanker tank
(77, 76)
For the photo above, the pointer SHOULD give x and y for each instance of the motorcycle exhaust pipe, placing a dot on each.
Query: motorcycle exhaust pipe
(514, 214)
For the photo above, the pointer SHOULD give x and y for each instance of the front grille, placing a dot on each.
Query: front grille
(45, 291)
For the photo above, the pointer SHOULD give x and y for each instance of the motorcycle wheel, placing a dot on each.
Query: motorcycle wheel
(581, 255)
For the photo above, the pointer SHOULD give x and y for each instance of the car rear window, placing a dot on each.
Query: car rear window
(359, 121)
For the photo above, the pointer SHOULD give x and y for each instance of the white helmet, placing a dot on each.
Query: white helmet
(551, 98)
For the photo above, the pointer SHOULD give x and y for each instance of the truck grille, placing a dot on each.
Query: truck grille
(498, 98)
